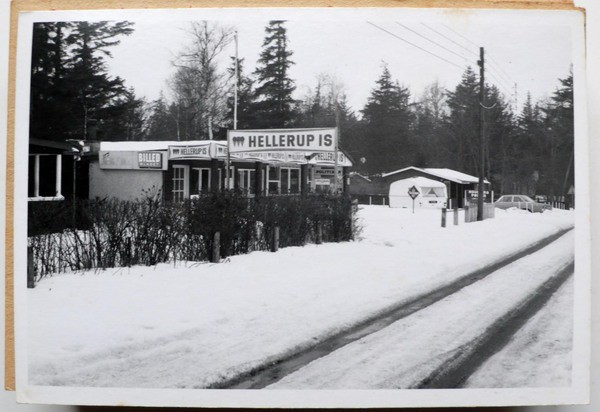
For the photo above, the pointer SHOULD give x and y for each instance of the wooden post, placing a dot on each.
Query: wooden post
(30, 268)
(275, 244)
(443, 217)
(216, 249)
(304, 179)
(319, 238)
(455, 216)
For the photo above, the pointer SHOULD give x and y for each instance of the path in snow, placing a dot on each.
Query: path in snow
(196, 326)
(538, 355)
(269, 374)
(407, 352)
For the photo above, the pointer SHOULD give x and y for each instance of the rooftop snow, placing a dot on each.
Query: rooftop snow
(442, 173)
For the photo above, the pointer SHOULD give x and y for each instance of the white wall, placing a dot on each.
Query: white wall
(123, 184)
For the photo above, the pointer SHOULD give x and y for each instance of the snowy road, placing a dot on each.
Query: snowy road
(408, 352)
(198, 325)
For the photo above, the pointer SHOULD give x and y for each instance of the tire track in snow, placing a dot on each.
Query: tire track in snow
(265, 375)
(454, 372)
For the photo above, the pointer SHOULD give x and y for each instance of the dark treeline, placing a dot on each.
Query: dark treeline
(528, 150)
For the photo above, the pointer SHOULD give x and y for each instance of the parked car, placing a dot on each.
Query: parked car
(521, 202)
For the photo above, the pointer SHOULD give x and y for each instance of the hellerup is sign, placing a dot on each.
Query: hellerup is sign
(306, 140)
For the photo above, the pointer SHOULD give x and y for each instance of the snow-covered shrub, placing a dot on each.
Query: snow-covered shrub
(115, 233)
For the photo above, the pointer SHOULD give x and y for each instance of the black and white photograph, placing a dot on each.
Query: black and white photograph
(302, 208)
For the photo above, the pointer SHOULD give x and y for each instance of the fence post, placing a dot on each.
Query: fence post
(216, 249)
(275, 244)
(319, 239)
(444, 217)
(455, 216)
(30, 268)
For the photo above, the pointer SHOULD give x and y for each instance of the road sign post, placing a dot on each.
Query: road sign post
(413, 192)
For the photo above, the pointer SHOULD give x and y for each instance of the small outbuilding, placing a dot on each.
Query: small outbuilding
(428, 193)
(461, 188)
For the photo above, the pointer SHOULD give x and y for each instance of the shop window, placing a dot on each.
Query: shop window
(290, 180)
(180, 183)
(273, 180)
(247, 180)
(201, 182)
(45, 177)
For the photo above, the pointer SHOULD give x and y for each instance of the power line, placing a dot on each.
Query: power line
(449, 39)
(499, 84)
(460, 35)
(493, 62)
(508, 78)
(432, 41)
(498, 78)
(414, 45)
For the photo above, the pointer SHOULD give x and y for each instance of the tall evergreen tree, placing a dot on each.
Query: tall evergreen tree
(274, 103)
(162, 122)
(70, 85)
(388, 121)
(559, 130)
(462, 123)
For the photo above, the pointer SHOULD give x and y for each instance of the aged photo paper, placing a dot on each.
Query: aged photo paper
(301, 207)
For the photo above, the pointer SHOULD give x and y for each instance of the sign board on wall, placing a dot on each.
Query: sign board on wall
(303, 140)
(197, 151)
(132, 160)
(150, 160)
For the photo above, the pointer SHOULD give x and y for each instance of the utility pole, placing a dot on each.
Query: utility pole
(481, 64)
(235, 103)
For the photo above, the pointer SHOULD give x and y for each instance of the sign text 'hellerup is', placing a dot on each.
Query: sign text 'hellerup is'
(306, 140)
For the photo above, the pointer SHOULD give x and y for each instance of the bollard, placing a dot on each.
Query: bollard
(30, 268)
(319, 238)
(275, 244)
(455, 216)
(216, 249)
(444, 217)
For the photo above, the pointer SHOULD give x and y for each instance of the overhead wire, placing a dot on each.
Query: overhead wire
(450, 40)
(493, 65)
(414, 45)
(432, 41)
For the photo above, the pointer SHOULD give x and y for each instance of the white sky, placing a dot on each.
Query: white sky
(531, 49)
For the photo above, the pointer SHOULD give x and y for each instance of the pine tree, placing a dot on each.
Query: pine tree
(70, 85)
(559, 138)
(388, 122)
(274, 103)
(462, 123)
(162, 123)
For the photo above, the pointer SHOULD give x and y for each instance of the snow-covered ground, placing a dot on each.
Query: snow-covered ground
(407, 351)
(539, 355)
(196, 324)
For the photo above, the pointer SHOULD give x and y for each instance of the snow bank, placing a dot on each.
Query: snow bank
(195, 324)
